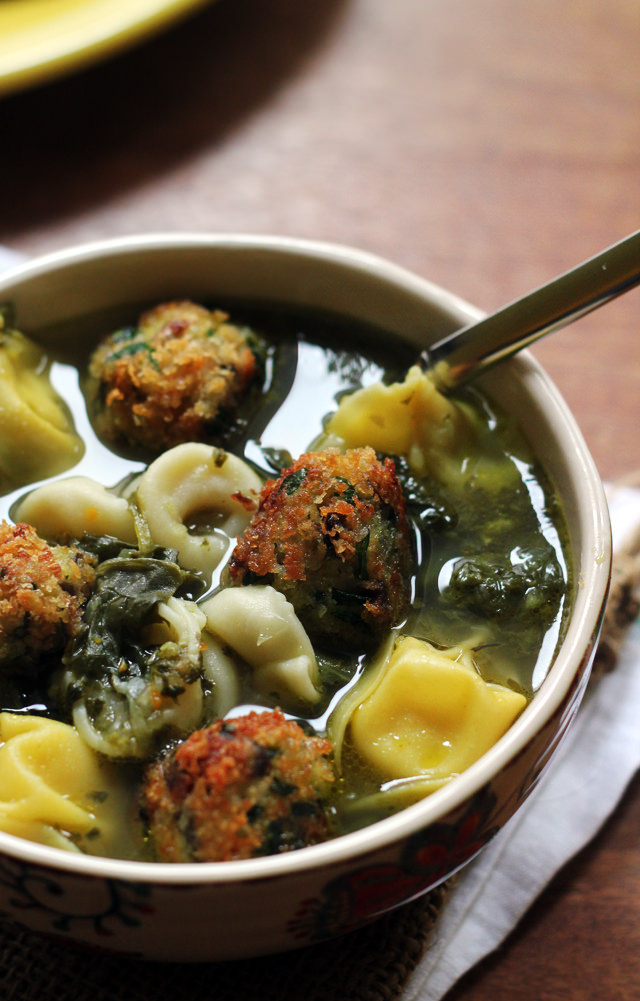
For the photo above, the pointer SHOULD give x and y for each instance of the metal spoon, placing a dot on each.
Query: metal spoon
(462, 355)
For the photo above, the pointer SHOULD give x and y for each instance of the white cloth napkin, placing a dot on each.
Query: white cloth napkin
(8, 258)
(580, 790)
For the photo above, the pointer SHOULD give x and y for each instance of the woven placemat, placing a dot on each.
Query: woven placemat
(371, 964)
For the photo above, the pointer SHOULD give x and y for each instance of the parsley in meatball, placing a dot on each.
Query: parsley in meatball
(43, 590)
(332, 534)
(239, 788)
(178, 376)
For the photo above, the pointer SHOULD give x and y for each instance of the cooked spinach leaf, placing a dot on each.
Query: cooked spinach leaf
(427, 504)
(494, 587)
(130, 662)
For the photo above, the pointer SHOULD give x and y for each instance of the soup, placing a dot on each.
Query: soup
(432, 594)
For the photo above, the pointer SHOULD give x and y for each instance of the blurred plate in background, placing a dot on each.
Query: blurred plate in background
(42, 39)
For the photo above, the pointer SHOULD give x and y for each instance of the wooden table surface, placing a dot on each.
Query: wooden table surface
(485, 144)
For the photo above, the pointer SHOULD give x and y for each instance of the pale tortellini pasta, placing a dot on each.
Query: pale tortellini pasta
(424, 715)
(54, 789)
(74, 507)
(261, 626)
(197, 480)
(37, 436)
(413, 419)
(122, 716)
(222, 682)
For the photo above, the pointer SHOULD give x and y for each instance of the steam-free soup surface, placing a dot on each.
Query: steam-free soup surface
(489, 577)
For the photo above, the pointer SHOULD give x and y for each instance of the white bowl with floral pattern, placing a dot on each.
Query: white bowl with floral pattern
(213, 911)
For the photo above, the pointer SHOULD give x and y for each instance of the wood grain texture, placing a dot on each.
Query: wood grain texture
(486, 145)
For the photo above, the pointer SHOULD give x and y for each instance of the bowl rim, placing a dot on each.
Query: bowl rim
(584, 629)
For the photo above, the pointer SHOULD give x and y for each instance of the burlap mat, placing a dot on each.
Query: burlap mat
(372, 964)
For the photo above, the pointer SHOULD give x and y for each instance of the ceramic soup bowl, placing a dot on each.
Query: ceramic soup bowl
(222, 910)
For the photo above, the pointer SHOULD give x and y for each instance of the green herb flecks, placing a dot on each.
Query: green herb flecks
(294, 481)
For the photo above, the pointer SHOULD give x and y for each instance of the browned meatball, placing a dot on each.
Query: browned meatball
(240, 788)
(43, 589)
(176, 377)
(332, 534)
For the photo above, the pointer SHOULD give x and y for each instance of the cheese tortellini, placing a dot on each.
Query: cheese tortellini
(193, 480)
(54, 789)
(74, 507)
(424, 715)
(222, 682)
(37, 436)
(436, 435)
(260, 625)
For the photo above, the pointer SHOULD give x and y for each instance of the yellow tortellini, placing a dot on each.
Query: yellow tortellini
(76, 506)
(426, 715)
(436, 435)
(55, 790)
(197, 479)
(37, 437)
(260, 625)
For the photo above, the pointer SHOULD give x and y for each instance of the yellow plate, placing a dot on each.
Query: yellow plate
(41, 39)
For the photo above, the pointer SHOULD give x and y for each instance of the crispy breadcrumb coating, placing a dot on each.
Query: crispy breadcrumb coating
(332, 534)
(175, 377)
(43, 589)
(240, 788)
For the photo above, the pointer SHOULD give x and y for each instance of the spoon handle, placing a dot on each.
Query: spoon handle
(462, 355)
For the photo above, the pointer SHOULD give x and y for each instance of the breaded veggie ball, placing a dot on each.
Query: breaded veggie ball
(177, 376)
(43, 590)
(331, 533)
(240, 788)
